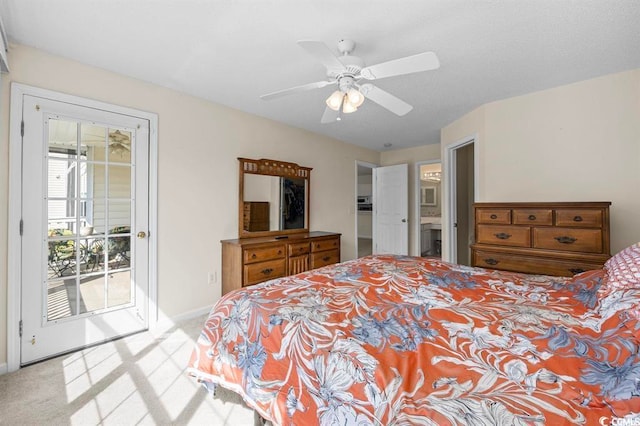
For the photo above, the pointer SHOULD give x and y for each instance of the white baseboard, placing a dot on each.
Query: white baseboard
(3, 368)
(166, 323)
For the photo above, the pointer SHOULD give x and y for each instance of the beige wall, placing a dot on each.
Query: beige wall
(411, 156)
(198, 145)
(576, 142)
(579, 142)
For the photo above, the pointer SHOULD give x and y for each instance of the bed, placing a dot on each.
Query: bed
(404, 340)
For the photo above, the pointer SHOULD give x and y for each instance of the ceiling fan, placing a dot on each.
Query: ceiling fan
(348, 71)
(119, 142)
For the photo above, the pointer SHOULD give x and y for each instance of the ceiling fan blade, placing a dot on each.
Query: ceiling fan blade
(322, 53)
(297, 89)
(421, 62)
(329, 116)
(385, 99)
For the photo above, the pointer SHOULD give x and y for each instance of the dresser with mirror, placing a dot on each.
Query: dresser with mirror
(273, 226)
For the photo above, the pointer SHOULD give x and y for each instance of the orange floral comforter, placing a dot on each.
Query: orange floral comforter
(400, 340)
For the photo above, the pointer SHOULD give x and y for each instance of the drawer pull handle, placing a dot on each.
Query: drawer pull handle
(267, 271)
(494, 216)
(575, 271)
(532, 217)
(279, 251)
(253, 256)
(491, 261)
(503, 236)
(577, 218)
(566, 240)
(326, 258)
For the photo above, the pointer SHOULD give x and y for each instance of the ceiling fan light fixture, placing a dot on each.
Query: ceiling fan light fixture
(335, 100)
(348, 107)
(355, 97)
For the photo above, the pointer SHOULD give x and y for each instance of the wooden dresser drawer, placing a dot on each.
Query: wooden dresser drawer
(259, 254)
(519, 236)
(568, 239)
(324, 258)
(327, 244)
(262, 271)
(296, 249)
(531, 264)
(579, 217)
(533, 217)
(497, 216)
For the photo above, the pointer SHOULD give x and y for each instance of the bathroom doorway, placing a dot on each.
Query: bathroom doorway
(429, 208)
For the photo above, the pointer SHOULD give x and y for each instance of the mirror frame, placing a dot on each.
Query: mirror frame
(272, 168)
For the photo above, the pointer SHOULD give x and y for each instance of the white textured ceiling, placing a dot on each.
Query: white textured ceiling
(231, 52)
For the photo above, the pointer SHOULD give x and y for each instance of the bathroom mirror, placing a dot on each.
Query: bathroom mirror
(428, 196)
(274, 198)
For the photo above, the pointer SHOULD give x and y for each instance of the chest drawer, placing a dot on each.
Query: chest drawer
(259, 254)
(297, 249)
(518, 236)
(262, 271)
(324, 258)
(568, 239)
(531, 264)
(322, 245)
(497, 216)
(532, 217)
(579, 217)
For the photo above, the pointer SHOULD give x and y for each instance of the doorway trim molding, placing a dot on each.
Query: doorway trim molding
(417, 228)
(14, 277)
(448, 166)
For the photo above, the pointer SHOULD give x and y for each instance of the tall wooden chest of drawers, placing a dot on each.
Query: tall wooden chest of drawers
(249, 261)
(256, 216)
(541, 238)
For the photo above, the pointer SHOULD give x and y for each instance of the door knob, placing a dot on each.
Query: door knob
(404, 220)
(142, 234)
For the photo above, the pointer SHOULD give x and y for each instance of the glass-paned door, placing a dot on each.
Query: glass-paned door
(85, 276)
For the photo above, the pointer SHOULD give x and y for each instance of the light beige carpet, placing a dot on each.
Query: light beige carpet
(140, 379)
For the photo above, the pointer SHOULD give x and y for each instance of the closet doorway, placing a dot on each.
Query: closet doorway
(461, 177)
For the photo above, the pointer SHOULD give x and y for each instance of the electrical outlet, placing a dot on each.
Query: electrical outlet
(212, 277)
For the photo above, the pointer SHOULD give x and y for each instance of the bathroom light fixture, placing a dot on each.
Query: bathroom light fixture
(432, 176)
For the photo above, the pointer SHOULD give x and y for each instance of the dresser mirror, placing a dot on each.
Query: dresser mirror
(274, 198)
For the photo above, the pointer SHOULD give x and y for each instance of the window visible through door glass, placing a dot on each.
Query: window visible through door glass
(88, 218)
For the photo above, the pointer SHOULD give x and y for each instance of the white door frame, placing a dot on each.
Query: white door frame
(15, 203)
(355, 200)
(448, 165)
(416, 197)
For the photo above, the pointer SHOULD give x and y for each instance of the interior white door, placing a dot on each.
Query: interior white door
(85, 212)
(391, 209)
